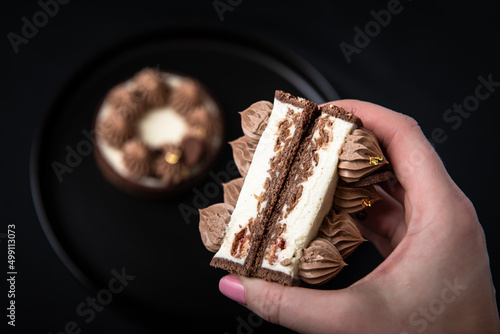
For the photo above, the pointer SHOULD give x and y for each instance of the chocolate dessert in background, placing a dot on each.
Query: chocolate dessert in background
(157, 133)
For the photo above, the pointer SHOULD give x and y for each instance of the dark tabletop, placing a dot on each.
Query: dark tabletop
(421, 59)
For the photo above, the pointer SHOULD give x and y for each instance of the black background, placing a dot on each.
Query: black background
(428, 58)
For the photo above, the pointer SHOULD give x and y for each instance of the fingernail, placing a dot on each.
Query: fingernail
(232, 288)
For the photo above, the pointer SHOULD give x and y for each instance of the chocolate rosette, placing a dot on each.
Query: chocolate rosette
(151, 87)
(199, 120)
(243, 151)
(232, 191)
(321, 262)
(342, 231)
(136, 158)
(168, 165)
(361, 155)
(115, 130)
(213, 222)
(187, 96)
(254, 119)
(125, 102)
(352, 200)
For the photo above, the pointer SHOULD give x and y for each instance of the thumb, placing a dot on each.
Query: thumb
(300, 309)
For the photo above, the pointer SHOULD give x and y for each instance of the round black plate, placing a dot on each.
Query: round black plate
(99, 231)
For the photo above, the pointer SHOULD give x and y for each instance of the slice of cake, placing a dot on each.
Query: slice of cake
(288, 190)
(301, 174)
(306, 197)
(277, 147)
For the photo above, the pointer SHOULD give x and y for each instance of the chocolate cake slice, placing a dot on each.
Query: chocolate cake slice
(288, 124)
(288, 190)
(306, 197)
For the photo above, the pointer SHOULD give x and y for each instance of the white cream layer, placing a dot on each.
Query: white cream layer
(246, 207)
(303, 222)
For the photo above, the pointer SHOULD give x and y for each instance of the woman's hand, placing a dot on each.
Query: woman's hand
(436, 276)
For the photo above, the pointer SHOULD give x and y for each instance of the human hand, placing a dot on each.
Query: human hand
(436, 276)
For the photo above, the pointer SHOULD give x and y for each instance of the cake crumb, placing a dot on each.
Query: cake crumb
(286, 262)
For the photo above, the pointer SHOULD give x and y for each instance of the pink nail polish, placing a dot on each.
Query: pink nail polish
(232, 288)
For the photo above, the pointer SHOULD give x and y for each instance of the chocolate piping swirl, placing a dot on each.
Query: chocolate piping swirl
(213, 222)
(114, 129)
(361, 155)
(342, 231)
(136, 158)
(187, 96)
(125, 102)
(232, 191)
(168, 165)
(321, 262)
(151, 88)
(243, 151)
(254, 119)
(352, 200)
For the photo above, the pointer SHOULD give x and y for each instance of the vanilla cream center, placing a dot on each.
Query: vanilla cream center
(161, 126)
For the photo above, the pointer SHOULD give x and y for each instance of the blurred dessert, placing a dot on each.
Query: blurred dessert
(157, 133)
